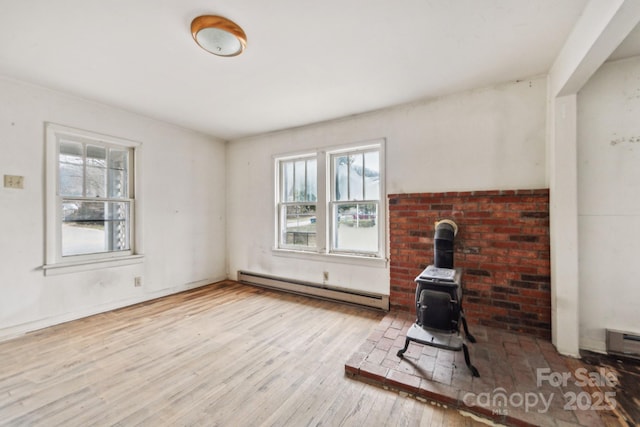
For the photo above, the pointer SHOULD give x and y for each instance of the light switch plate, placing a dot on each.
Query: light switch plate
(14, 181)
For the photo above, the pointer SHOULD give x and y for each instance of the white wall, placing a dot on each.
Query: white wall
(601, 28)
(485, 139)
(181, 210)
(609, 202)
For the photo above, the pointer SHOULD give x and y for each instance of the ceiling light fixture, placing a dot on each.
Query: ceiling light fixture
(218, 35)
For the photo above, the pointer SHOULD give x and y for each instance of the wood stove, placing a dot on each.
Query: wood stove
(438, 300)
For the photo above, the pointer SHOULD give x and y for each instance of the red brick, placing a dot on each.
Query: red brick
(530, 206)
(508, 229)
(496, 251)
(403, 381)
(373, 371)
(504, 233)
(508, 244)
(506, 214)
(354, 362)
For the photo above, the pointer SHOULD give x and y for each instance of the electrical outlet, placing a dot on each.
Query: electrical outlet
(14, 181)
(325, 275)
(137, 281)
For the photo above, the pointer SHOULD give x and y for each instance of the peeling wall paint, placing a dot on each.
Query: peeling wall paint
(626, 140)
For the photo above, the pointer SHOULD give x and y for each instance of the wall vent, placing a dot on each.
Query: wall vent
(332, 293)
(623, 343)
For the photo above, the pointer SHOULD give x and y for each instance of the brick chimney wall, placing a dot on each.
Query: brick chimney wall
(502, 246)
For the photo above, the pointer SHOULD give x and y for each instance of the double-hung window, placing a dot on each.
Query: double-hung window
(298, 197)
(329, 202)
(90, 200)
(355, 201)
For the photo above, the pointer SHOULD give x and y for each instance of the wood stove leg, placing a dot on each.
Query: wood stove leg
(470, 337)
(467, 360)
(400, 352)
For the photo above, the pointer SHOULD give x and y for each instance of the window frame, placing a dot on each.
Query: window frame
(55, 262)
(333, 203)
(281, 203)
(324, 221)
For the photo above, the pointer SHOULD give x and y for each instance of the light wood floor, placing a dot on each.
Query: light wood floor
(222, 355)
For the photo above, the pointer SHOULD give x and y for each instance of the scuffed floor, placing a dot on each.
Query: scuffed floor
(627, 391)
(523, 380)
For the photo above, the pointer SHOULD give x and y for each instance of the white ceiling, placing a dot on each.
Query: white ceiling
(305, 61)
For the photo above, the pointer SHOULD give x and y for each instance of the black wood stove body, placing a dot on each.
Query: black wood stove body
(438, 300)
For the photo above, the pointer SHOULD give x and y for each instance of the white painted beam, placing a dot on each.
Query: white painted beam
(599, 31)
(563, 209)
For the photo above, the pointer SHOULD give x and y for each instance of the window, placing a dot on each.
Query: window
(93, 186)
(90, 196)
(297, 207)
(355, 201)
(329, 202)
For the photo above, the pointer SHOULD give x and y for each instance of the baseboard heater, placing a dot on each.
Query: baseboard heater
(623, 344)
(333, 293)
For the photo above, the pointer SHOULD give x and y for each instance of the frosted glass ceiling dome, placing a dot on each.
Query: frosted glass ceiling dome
(218, 35)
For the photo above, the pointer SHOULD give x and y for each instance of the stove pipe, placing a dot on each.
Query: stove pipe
(445, 232)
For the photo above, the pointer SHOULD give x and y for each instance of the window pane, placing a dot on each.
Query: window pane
(118, 226)
(96, 175)
(341, 166)
(94, 227)
(287, 177)
(312, 187)
(118, 174)
(300, 188)
(356, 177)
(372, 175)
(299, 228)
(71, 169)
(96, 156)
(356, 227)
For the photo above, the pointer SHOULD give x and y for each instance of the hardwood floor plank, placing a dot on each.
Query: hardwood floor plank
(226, 354)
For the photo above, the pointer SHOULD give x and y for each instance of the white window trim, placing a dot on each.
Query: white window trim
(324, 226)
(54, 262)
(331, 202)
(338, 258)
(278, 202)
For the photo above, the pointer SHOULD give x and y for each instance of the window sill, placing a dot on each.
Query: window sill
(88, 265)
(336, 258)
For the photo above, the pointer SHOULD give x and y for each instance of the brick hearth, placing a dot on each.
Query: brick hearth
(509, 365)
